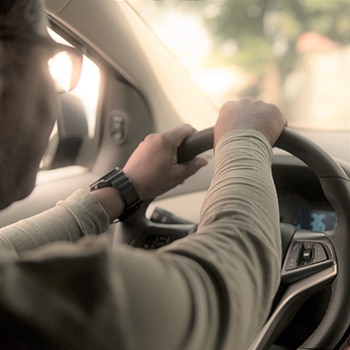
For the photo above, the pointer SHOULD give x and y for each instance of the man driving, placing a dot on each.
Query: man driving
(210, 290)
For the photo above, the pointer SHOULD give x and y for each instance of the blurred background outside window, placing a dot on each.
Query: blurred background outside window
(292, 53)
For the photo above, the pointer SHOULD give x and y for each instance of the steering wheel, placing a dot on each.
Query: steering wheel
(311, 260)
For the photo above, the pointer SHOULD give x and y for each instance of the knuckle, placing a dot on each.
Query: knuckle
(225, 106)
(155, 138)
(150, 137)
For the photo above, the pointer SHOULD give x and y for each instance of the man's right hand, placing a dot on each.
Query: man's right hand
(250, 114)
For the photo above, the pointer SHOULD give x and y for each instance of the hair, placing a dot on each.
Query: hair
(26, 15)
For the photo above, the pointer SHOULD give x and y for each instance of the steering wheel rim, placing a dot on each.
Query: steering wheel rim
(336, 187)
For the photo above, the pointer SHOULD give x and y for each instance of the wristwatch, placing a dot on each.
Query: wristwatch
(119, 180)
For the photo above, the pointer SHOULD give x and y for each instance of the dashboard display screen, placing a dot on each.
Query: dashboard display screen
(315, 220)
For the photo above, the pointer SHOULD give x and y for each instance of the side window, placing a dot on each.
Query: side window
(76, 124)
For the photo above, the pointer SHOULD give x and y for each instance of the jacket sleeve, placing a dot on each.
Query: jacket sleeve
(237, 247)
(77, 216)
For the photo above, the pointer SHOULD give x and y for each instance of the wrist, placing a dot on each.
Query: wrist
(111, 201)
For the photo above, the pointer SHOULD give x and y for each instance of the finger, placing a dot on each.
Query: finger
(192, 166)
(179, 133)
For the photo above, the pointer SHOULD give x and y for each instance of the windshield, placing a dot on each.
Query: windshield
(295, 54)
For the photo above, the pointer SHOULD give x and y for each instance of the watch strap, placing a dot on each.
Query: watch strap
(120, 181)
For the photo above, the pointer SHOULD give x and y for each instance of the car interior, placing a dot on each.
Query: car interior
(131, 85)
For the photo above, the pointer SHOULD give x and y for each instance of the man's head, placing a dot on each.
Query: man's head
(28, 103)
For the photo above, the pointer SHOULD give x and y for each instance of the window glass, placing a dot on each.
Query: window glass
(292, 53)
(87, 89)
(78, 109)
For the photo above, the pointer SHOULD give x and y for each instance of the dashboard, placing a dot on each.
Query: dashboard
(301, 199)
(315, 219)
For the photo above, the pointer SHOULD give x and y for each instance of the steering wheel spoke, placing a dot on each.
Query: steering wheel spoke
(308, 253)
(294, 296)
(309, 265)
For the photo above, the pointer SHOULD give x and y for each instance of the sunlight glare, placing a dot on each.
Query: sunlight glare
(61, 68)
